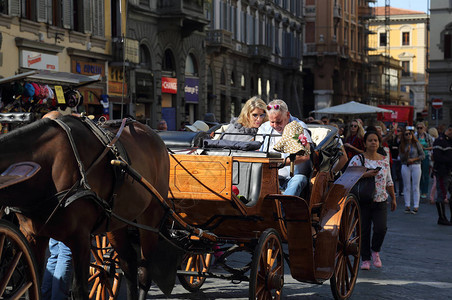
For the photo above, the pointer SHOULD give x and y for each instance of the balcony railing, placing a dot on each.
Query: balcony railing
(174, 7)
(219, 38)
(260, 52)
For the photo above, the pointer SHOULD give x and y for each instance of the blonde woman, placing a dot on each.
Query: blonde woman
(244, 128)
(354, 143)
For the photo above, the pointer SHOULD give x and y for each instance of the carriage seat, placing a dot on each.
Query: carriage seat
(182, 139)
(247, 177)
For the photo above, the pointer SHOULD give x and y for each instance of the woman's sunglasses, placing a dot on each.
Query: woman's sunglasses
(407, 133)
(275, 106)
(353, 125)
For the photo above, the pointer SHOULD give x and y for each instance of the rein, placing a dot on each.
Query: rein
(83, 182)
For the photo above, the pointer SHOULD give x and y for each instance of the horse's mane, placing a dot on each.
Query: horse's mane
(39, 126)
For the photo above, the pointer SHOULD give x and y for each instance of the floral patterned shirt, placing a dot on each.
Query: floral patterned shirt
(382, 180)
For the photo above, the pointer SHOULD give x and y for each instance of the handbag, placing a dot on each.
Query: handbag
(364, 189)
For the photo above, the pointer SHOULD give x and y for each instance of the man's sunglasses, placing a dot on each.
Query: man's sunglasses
(275, 106)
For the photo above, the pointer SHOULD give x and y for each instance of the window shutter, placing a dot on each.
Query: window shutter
(67, 14)
(41, 11)
(98, 18)
(87, 24)
(14, 8)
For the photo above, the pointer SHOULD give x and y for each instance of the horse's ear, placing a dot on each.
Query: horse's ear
(18, 172)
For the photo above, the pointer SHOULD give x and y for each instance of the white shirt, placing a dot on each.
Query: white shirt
(270, 142)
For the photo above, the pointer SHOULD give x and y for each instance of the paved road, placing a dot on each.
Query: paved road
(416, 258)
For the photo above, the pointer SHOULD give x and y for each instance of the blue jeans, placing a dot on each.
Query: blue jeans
(58, 273)
(293, 185)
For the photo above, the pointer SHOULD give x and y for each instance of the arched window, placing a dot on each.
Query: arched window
(168, 61)
(232, 78)
(243, 82)
(145, 56)
(191, 66)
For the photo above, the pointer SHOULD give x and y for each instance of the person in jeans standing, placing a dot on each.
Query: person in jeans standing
(411, 156)
(58, 273)
(375, 213)
(427, 143)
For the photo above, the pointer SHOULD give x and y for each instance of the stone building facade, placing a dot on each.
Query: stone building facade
(440, 63)
(254, 48)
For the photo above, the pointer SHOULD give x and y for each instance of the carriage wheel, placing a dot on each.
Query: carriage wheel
(348, 251)
(194, 263)
(18, 272)
(105, 275)
(267, 267)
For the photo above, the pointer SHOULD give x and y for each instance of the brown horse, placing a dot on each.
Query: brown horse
(46, 143)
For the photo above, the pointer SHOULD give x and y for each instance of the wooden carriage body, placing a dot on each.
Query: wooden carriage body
(201, 193)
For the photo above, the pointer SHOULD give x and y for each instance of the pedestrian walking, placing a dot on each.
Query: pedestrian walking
(411, 156)
(442, 167)
(434, 134)
(374, 214)
(354, 139)
(396, 169)
(427, 143)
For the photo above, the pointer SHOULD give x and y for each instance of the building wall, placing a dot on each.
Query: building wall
(440, 68)
(334, 54)
(415, 85)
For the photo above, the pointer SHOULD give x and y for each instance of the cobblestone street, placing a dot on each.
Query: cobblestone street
(416, 265)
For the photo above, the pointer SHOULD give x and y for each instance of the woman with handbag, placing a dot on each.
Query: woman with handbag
(373, 206)
(411, 156)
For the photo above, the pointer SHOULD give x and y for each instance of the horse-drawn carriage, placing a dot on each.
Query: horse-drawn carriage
(199, 213)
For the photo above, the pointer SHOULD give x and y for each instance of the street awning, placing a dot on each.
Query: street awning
(63, 78)
(352, 108)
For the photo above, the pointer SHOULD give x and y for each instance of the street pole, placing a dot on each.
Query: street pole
(436, 109)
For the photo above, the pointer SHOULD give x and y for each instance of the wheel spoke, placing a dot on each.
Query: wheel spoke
(10, 271)
(94, 288)
(21, 291)
(2, 243)
(94, 276)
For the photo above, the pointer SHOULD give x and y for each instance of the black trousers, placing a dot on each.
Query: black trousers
(374, 214)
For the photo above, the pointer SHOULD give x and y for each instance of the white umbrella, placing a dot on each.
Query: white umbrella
(352, 108)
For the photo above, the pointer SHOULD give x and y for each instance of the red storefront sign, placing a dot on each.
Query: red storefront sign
(401, 114)
(169, 85)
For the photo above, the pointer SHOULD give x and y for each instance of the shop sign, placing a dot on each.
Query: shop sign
(191, 90)
(115, 82)
(38, 60)
(116, 88)
(169, 85)
(87, 68)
